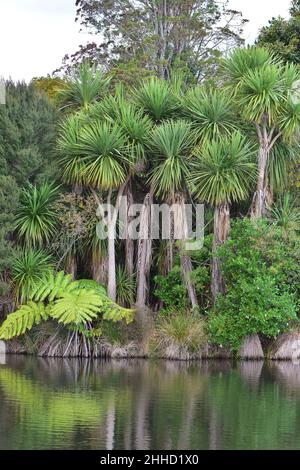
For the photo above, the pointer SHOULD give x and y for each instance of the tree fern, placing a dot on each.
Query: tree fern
(115, 313)
(68, 302)
(88, 284)
(51, 286)
(23, 320)
(77, 307)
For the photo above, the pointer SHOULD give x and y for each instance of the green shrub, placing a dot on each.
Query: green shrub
(171, 291)
(261, 275)
(249, 308)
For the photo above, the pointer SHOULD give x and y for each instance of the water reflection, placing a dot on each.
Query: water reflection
(136, 404)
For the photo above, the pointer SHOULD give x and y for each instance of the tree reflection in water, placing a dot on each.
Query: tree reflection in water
(136, 404)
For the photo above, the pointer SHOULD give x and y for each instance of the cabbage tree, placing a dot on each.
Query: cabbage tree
(222, 174)
(266, 97)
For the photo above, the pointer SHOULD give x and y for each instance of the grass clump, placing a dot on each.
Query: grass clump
(179, 336)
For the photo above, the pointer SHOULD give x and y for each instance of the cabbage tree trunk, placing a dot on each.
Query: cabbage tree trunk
(112, 215)
(99, 266)
(71, 265)
(221, 230)
(129, 242)
(144, 252)
(181, 233)
(261, 199)
(259, 202)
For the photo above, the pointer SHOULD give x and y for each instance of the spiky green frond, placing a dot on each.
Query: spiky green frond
(35, 217)
(223, 171)
(107, 109)
(282, 158)
(23, 320)
(289, 121)
(105, 155)
(136, 127)
(88, 85)
(241, 60)
(94, 154)
(29, 267)
(171, 144)
(285, 213)
(262, 93)
(76, 307)
(211, 112)
(126, 286)
(156, 99)
(70, 159)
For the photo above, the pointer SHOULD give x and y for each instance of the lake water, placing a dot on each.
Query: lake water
(136, 404)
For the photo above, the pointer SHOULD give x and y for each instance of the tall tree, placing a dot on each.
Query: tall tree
(27, 153)
(27, 134)
(171, 144)
(95, 155)
(160, 34)
(282, 36)
(266, 98)
(157, 101)
(222, 174)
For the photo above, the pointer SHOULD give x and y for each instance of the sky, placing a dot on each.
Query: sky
(36, 34)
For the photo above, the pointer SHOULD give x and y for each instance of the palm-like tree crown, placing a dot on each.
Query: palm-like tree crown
(155, 97)
(211, 112)
(171, 144)
(86, 86)
(136, 127)
(94, 154)
(29, 267)
(264, 88)
(244, 59)
(223, 171)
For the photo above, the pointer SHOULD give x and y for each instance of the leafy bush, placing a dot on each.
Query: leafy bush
(252, 307)
(171, 291)
(260, 270)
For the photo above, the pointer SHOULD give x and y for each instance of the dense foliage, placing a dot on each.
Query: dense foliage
(260, 273)
(282, 36)
(71, 145)
(142, 37)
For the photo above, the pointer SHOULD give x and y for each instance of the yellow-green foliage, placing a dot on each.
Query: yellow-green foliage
(23, 319)
(51, 287)
(77, 307)
(69, 302)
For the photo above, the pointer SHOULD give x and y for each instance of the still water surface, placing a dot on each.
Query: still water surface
(135, 404)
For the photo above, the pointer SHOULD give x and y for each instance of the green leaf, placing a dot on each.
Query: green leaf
(23, 320)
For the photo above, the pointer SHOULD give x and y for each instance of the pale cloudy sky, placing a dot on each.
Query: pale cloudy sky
(36, 34)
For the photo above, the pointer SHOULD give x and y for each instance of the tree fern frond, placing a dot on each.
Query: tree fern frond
(77, 307)
(52, 286)
(87, 284)
(23, 319)
(115, 313)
